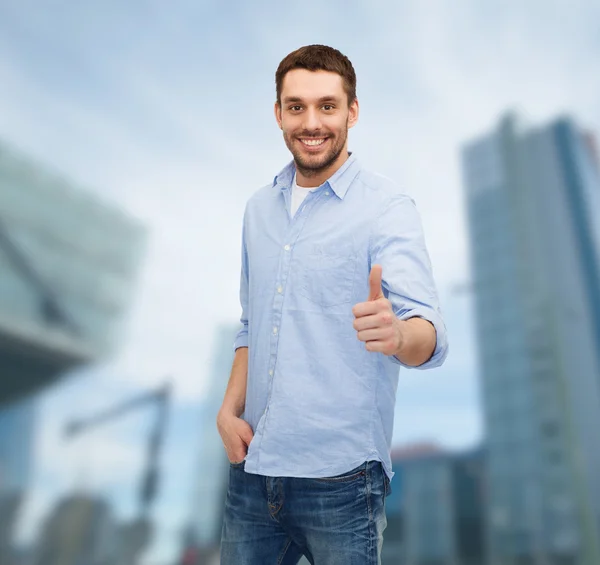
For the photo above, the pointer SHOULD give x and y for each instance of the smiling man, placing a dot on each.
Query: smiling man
(337, 294)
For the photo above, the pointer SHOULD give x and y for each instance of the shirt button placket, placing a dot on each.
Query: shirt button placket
(277, 311)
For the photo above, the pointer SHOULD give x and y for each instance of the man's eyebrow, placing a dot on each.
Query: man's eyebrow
(290, 99)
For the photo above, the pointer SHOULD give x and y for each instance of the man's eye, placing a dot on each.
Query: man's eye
(328, 107)
(295, 108)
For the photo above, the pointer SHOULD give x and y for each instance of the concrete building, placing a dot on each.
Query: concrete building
(533, 200)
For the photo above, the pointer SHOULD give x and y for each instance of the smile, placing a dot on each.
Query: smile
(313, 142)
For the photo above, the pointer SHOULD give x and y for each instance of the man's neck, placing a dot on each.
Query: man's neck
(313, 181)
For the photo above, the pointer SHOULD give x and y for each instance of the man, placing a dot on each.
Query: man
(337, 293)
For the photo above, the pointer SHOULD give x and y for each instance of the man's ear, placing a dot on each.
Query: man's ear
(277, 110)
(353, 112)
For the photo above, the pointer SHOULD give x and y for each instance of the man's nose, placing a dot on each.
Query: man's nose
(312, 120)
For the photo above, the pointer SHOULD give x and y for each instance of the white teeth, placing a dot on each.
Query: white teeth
(312, 141)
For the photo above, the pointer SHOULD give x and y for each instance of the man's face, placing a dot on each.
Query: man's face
(314, 116)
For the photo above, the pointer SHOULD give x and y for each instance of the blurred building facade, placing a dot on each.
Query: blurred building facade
(68, 265)
(17, 435)
(533, 202)
(435, 511)
(203, 535)
(17, 427)
(80, 530)
(68, 269)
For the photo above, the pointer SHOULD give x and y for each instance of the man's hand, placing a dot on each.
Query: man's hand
(236, 435)
(375, 323)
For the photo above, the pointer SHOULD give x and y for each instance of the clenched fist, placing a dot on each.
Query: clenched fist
(375, 321)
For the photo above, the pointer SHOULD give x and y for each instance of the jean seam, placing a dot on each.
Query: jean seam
(284, 551)
(370, 509)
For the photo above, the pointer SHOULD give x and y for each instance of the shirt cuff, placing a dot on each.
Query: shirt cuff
(241, 339)
(441, 346)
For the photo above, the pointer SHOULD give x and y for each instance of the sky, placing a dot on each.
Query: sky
(166, 110)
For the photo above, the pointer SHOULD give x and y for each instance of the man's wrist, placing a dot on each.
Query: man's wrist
(228, 411)
(417, 339)
(400, 338)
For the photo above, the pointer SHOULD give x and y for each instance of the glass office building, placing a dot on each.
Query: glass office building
(533, 202)
(68, 265)
(435, 511)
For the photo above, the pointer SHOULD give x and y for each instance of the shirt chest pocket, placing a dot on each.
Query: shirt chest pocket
(327, 274)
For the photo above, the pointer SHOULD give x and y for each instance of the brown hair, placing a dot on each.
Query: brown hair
(318, 58)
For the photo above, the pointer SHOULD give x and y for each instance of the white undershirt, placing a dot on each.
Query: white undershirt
(299, 193)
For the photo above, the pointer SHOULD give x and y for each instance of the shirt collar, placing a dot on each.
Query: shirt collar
(339, 182)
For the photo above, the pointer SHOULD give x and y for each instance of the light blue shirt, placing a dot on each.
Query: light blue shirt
(318, 402)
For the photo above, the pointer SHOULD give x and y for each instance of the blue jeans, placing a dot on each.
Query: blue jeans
(332, 521)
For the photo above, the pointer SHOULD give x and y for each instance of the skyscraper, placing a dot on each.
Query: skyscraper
(533, 202)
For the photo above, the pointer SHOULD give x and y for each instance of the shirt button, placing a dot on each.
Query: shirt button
(327, 192)
(271, 372)
(275, 330)
(279, 289)
(287, 247)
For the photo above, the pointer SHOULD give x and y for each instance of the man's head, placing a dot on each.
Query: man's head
(316, 104)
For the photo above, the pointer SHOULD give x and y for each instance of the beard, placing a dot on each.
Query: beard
(313, 165)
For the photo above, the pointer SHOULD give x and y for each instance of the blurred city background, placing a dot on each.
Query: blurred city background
(131, 136)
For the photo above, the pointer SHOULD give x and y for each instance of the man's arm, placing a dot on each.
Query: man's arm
(411, 341)
(235, 395)
(417, 342)
(401, 317)
(235, 432)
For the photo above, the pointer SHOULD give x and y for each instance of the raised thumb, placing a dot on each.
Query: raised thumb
(375, 290)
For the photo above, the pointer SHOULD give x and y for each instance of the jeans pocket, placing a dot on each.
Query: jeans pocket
(239, 465)
(349, 476)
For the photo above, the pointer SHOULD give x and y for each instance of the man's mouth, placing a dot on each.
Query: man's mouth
(313, 141)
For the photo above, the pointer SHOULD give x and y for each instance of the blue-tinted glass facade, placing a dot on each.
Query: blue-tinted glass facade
(17, 426)
(436, 510)
(533, 250)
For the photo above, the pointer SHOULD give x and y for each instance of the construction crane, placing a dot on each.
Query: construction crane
(135, 536)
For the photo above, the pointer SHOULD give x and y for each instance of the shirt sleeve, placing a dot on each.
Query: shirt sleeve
(398, 245)
(241, 339)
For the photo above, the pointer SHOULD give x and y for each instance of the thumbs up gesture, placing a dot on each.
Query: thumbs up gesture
(375, 321)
